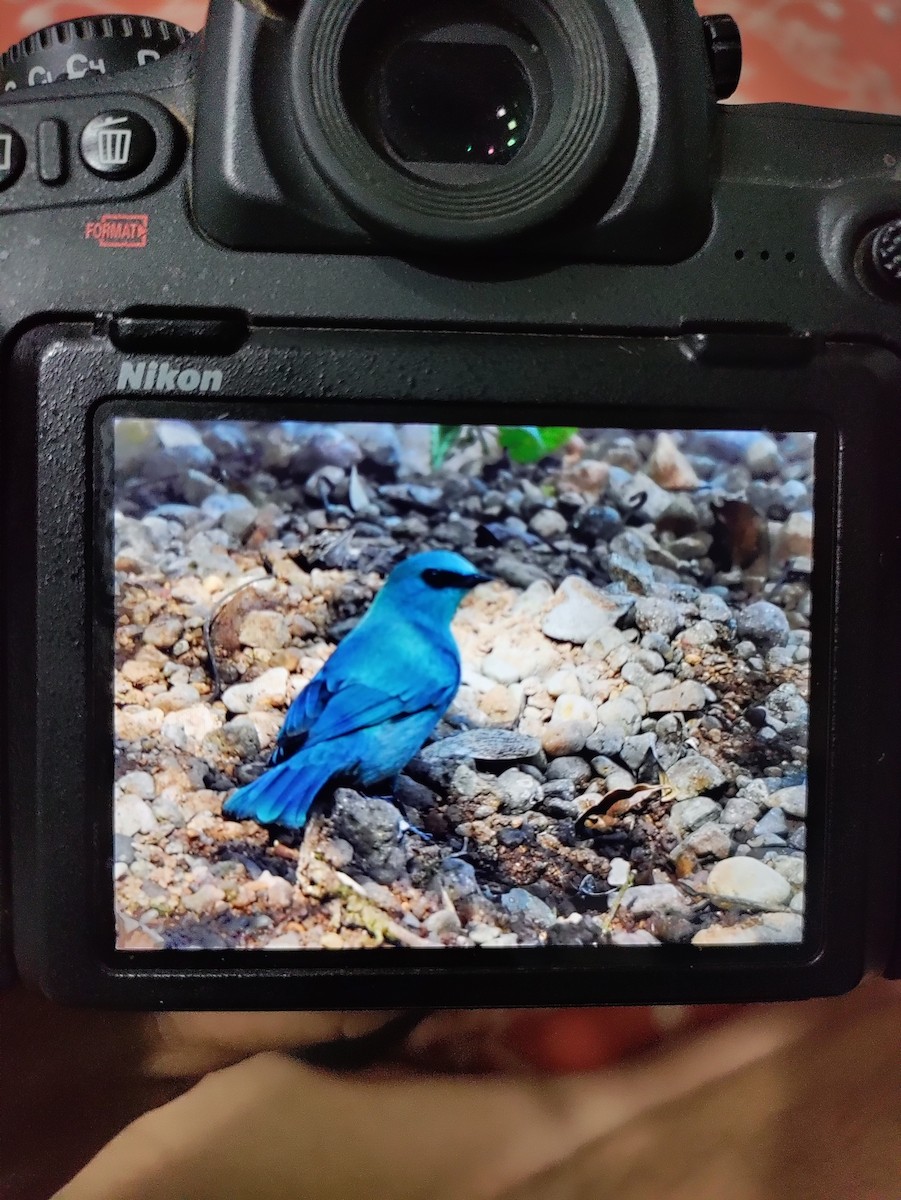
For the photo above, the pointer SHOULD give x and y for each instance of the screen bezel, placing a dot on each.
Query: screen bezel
(346, 374)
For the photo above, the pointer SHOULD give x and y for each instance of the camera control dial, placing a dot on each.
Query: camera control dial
(74, 50)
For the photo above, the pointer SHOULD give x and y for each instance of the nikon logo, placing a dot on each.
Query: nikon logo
(163, 377)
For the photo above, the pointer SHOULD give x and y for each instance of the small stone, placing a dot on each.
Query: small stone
(285, 941)
(269, 690)
(264, 630)
(773, 823)
(640, 937)
(444, 921)
(798, 839)
(750, 880)
(763, 458)
(655, 898)
(183, 695)
(702, 633)
(790, 867)
(636, 575)
(636, 748)
(656, 615)
(166, 809)
(588, 477)
(797, 903)
(120, 870)
(561, 683)
(767, 928)
(619, 872)
(234, 513)
(570, 767)
(740, 811)
(482, 934)
(139, 783)
(572, 722)
(133, 815)
(514, 661)
(163, 634)
(502, 704)
(483, 745)
(795, 538)
(669, 467)
(694, 775)
(786, 712)
(123, 849)
(684, 697)
(521, 791)
(279, 892)
(607, 740)
(132, 723)
(621, 714)
(458, 878)
(580, 610)
(373, 828)
(205, 899)
(688, 815)
(521, 903)
(764, 624)
(548, 524)
(710, 841)
(187, 728)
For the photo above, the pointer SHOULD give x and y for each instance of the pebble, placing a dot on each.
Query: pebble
(512, 662)
(636, 748)
(670, 467)
(268, 690)
(457, 877)
(284, 941)
(132, 723)
(772, 823)
(763, 458)
(264, 630)
(790, 867)
(123, 849)
(521, 791)
(548, 523)
(650, 899)
(656, 615)
(138, 783)
(483, 745)
(133, 815)
(795, 538)
(573, 720)
(373, 827)
(740, 811)
(482, 934)
(163, 634)
(120, 870)
(748, 879)
(640, 937)
(621, 714)
(579, 610)
(182, 695)
(235, 514)
(207, 897)
(619, 872)
(637, 576)
(764, 624)
(569, 767)
(693, 775)
(521, 903)
(767, 928)
(688, 815)
(187, 727)
(166, 809)
(608, 739)
(711, 840)
(684, 697)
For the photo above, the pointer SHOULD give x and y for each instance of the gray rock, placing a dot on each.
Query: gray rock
(763, 458)
(138, 783)
(772, 823)
(166, 809)
(694, 775)
(570, 767)
(656, 615)
(714, 608)
(684, 697)
(483, 745)
(764, 624)
(787, 712)
(373, 828)
(640, 937)
(740, 811)
(123, 850)
(520, 903)
(709, 841)
(649, 900)
(458, 878)
(635, 749)
(607, 741)
(515, 571)
(776, 928)
(548, 523)
(687, 815)
(748, 879)
(621, 714)
(636, 575)
(702, 633)
(791, 867)
(163, 633)
(234, 513)
(798, 839)
(133, 815)
(521, 791)
(580, 610)
(619, 872)
(792, 801)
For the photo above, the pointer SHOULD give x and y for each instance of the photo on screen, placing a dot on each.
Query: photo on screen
(458, 686)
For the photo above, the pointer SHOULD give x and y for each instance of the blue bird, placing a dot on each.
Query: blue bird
(370, 708)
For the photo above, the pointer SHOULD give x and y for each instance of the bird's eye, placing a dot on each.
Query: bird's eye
(444, 579)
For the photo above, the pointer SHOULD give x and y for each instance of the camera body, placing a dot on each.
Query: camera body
(272, 223)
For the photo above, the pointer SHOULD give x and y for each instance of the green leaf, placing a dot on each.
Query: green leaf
(444, 438)
(530, 443)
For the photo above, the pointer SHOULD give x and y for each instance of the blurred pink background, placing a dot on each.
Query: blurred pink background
(845, 53)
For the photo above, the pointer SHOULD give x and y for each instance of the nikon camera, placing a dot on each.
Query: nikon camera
(450, 519)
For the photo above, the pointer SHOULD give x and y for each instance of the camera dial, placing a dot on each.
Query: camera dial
(74, 50)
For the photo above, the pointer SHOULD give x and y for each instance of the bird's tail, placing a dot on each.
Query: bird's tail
(284, 794)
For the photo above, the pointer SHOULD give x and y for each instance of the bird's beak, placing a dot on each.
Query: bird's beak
(473, 581)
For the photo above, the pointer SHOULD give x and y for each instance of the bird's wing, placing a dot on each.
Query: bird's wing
(352, 705)
(300, 718)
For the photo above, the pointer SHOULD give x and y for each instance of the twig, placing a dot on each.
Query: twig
(211, 620)
(613, 909)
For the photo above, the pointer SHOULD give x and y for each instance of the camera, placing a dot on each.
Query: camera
(450, 538)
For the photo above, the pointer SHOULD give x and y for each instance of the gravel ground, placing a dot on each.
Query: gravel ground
(625, 761)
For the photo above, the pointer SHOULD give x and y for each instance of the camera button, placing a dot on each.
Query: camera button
(886, 251)
(51, 141)
(12, 156)
(118, 144)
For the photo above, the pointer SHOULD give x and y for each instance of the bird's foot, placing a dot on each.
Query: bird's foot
(406, 827)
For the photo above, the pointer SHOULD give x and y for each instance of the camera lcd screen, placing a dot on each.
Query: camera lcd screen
(463, 686)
